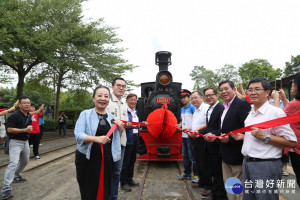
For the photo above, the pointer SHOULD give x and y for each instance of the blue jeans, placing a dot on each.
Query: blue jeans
(117, 168)
(188, 157)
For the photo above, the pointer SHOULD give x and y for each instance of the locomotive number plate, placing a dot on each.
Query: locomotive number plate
(163, 100)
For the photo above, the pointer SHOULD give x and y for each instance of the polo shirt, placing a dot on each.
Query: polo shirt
(18, 120)
(187, 117)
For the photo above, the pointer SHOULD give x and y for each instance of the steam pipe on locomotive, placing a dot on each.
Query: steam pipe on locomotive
(153, 96)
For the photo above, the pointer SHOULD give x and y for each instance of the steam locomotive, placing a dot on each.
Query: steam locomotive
(153, 96)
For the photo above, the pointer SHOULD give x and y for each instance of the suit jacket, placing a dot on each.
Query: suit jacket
(213, 126)
(234, 119)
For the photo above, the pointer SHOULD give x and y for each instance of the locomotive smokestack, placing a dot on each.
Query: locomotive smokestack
(163, 60)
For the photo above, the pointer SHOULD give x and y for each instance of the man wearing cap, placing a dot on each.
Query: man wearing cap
(186, 117)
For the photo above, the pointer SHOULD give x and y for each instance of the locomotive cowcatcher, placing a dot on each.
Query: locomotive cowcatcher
(153, 96)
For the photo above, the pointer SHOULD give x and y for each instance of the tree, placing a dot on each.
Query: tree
(258, 68)
(49, 40)
(227, 72)
(25, 40)
(7, 97)
(77, 99)
(38, 92)
(203, 78)
(81, 62)
(292, 67)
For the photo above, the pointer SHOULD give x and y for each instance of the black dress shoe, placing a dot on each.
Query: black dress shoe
(206, 193)
(126, 188)
(133, 183)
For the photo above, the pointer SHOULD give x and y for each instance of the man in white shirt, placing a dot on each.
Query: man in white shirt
(262, 149)
(199, 121)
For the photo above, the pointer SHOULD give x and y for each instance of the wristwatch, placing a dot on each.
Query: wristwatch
(267, 139)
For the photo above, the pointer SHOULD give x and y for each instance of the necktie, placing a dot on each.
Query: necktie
(207, 114)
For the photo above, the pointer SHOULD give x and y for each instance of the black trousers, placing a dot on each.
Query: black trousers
(41, 132)
(215, 162)
(34, 140)
(295, 160)
(202, 162)
(63, 127)
(128, 162)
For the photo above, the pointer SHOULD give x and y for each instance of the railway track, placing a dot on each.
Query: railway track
(44, 139)
(51, 150)
(187, 194)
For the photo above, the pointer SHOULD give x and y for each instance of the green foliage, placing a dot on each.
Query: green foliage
(8, 97)
(203, 78)
(44, 94)
(72, 113)
(70, 124)
(50, 40)
(292, 67)
(50, 124)
(76, 99)
(228, 72)
(258, 68)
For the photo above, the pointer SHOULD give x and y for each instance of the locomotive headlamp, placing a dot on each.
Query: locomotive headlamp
(164, 79)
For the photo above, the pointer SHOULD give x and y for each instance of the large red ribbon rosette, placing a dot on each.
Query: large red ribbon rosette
(161, 122)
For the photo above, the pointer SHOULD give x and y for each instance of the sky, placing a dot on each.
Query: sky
(211, 33)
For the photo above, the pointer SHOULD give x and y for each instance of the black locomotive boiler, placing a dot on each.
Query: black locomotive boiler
(153, 96)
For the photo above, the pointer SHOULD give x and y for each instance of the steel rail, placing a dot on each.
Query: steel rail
(52, 150)
(141, 189)
(190, 193)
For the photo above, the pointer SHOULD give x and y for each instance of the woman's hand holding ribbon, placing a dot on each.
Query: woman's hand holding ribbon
(102, 139)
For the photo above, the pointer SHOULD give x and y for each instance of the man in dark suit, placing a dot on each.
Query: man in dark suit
(234, 114)
(213, 121)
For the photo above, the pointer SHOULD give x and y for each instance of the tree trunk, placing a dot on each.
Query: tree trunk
(56, 107)
(20, 85)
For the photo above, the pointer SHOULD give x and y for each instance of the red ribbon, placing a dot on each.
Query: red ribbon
(264, 125)
(134, 123)
(101, 179)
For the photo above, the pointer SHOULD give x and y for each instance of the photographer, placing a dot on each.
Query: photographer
(62, 123)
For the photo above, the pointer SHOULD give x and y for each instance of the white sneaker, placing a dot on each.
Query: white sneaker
(31, 145)
(37, 158)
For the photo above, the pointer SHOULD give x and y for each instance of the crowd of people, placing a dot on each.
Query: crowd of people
(258, 156)
(103, 162)
(24, 129)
